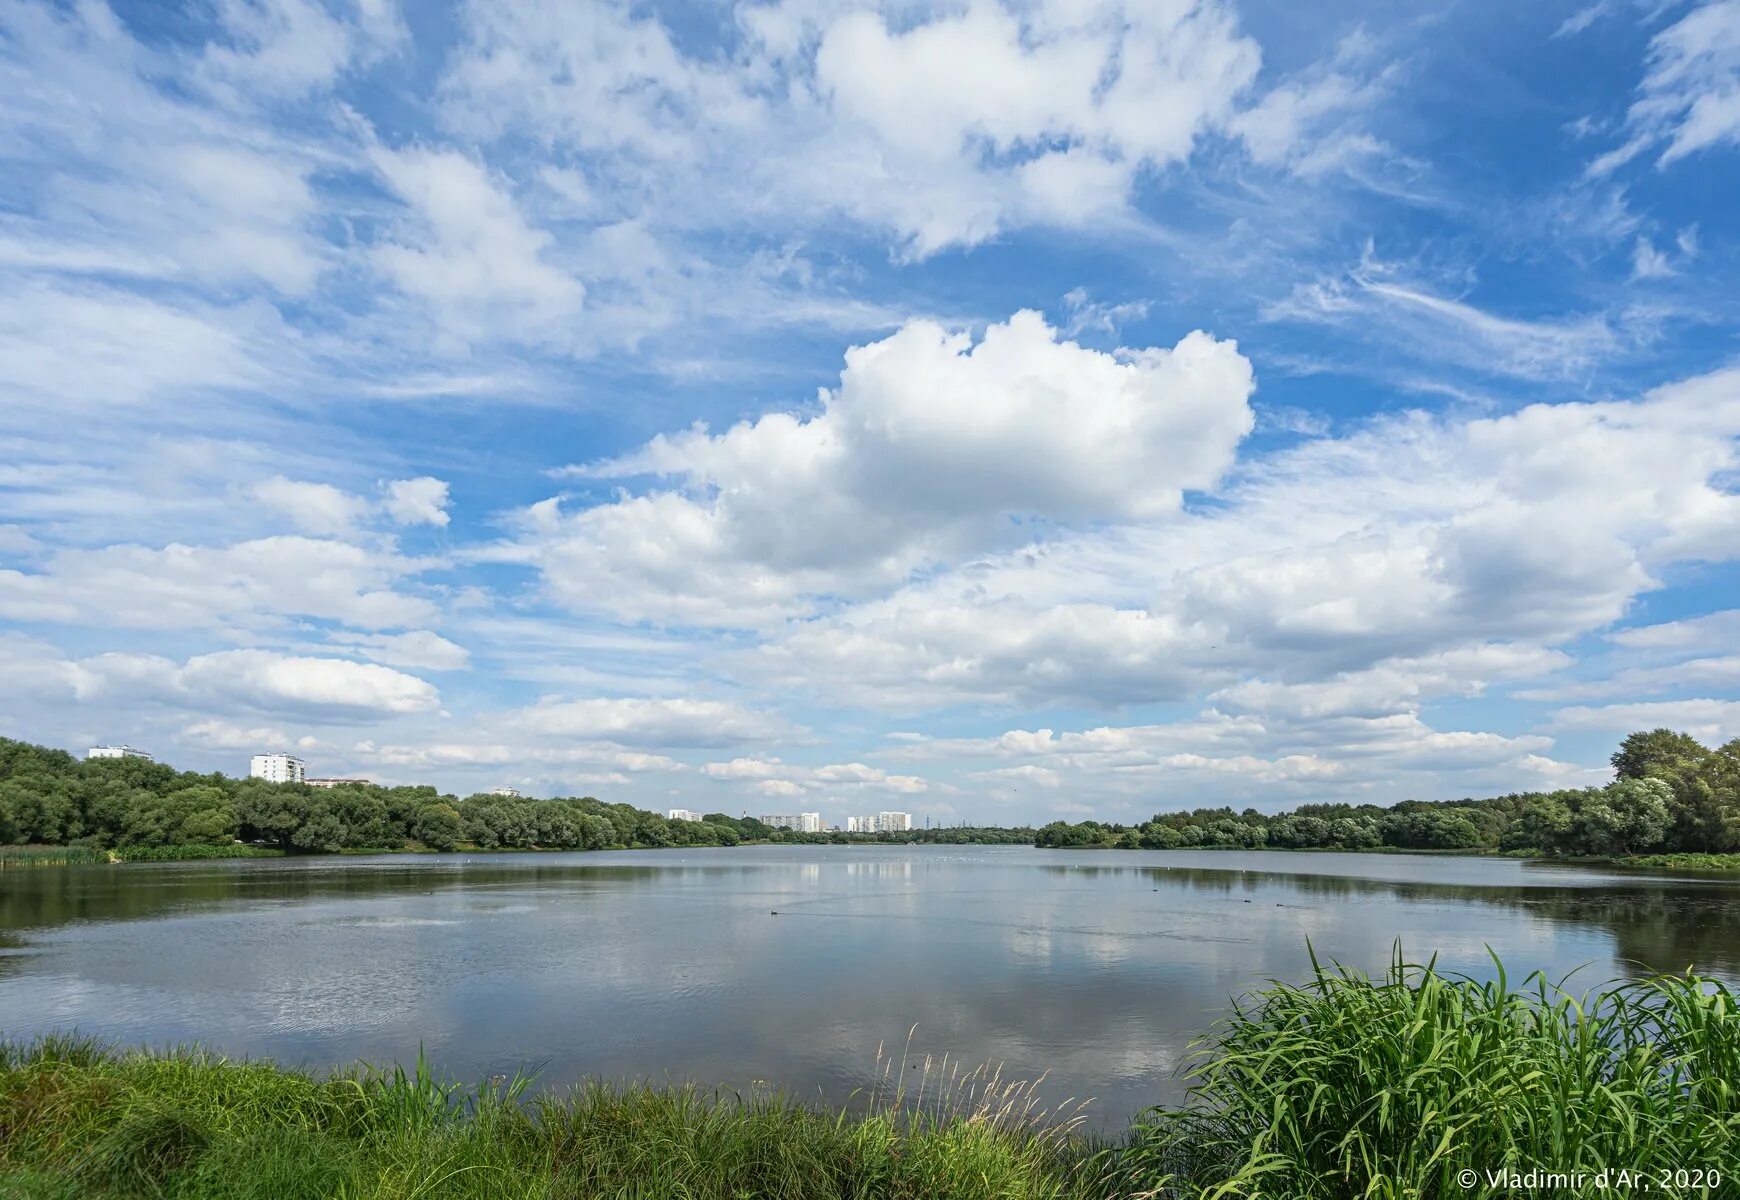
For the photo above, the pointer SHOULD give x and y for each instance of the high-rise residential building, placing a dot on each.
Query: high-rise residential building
(504, 790)
(278, 768)
(885, 822)
(118, 752)
(802, 822)
(332, 783)
(683, 814)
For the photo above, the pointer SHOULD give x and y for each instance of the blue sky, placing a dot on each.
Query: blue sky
(998, 411)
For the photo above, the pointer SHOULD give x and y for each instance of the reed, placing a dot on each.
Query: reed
(1347, 1086)
(50, 856)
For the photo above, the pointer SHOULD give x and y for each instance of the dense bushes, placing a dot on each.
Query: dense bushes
(1673, 795)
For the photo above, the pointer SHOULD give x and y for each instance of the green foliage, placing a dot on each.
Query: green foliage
(1672, 795)
(1347, 1086)
(193, 851)
(50, 856)
(1657, 753)
(78, 1120)
(147, 811)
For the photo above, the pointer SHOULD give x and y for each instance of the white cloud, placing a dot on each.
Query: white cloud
(216, 734)
(1313, 124)
(104, 350)
(926, 450)
(151, 181)
(470, 255)
(1691, 675)
(1710, 721)
(419, 650)
(772, 776)
(1711, 629)
(1376, 300)
(250, 585)
(1412, 558)
(1689, 97)
(745, 768)
(326, 689)
(1134, 769)
(420, 501)
(635, 722)
(316, 508)
(292, 47)
(1397, 685)
(943, 128)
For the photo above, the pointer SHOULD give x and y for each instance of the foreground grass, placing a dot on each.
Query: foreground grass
(1348, 1086)
(1344, 1086)
(78, 1120)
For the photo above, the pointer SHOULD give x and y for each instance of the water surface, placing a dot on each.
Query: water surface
(1097, 967)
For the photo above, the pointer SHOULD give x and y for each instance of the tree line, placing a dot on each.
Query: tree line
(48, 797)
(1671, 795)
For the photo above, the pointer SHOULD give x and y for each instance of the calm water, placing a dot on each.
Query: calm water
(1098, 967)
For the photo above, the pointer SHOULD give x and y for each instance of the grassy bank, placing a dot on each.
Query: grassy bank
(1343, 1086)
(1683, 862)
(68, 856)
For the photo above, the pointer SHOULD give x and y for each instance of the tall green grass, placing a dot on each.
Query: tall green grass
(192, 852)
(1343, 1086)
(50, 856)
(1347, 1086)
(77, 1119)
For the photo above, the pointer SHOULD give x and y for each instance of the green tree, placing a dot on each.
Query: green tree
(1662, 753)
(438, 826)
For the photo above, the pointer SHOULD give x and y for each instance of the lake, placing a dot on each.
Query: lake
(1095, 967)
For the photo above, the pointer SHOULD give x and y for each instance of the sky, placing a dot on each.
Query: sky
(997, 411)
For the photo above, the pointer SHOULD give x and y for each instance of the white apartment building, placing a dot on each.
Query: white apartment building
(278, 768)
(117, 752)
(332, 783)
(802, 822)
(504, 790)
(887, 822)
(683, 814)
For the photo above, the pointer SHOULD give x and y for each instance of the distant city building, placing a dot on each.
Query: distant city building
(505, 791)
(802, 822)
(887, 822)
(332, 783)
(278, 768)
(684, 814)
(117, 752)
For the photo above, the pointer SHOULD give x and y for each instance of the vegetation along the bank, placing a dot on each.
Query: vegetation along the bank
(1672, 796)
(143, 810)
(1674, 803)
(1343, 1086)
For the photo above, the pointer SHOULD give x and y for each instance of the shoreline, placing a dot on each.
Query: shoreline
(1698, 864)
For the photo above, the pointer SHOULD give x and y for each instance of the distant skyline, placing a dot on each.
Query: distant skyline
(994, 412)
